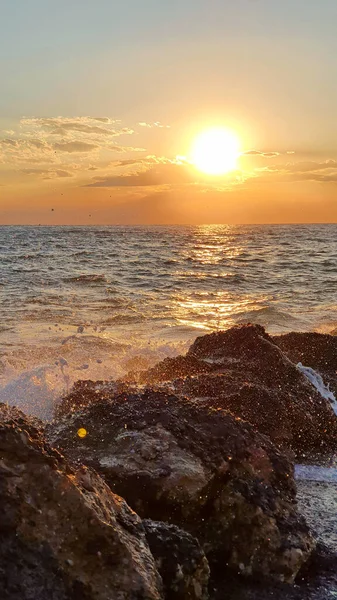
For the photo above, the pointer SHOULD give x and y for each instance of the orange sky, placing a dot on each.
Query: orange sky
(95, 170)
(152, 76)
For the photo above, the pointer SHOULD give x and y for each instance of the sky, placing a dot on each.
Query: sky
(101, 102)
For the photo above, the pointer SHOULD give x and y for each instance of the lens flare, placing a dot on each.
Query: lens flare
(82, 433)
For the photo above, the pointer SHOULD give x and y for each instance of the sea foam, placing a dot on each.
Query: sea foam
(317, 381)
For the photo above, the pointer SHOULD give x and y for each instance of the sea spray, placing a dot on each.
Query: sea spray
(317, 381)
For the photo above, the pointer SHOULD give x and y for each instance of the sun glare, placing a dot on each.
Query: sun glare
(215, 151)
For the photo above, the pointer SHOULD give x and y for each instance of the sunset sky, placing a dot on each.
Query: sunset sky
(101, 103)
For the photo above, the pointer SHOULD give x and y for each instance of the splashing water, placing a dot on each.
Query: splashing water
(317, 381)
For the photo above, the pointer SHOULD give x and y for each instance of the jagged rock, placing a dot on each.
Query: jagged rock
(315, 350)
(64, 534)
(248, 374)
(168, 369)
(180, 561)
(316, 581)
(85, 392)
(199, 468)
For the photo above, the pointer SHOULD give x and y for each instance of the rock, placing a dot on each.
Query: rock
(64, 534)
(316, 581)
(180, 561)
(199, 468)
(169, 369)
(315, 350)
(87, 392)
(248, 374)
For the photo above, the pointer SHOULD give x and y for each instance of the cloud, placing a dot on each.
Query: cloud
(147, 160)
(153, 125)
(85, 125)
(24, 150)
(302, 167)
(259, 153)
(104, 120)
(42, 139)
(39, 142)
(7, 142)
(75, 147)
(115, 148)
(325, 171)
(162, 172)
(47, 173)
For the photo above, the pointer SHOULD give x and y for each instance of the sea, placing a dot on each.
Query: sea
(95, 302)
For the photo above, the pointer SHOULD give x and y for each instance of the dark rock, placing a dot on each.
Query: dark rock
(64, 534)
(316, 581)
(180, 561)
(169, 369)
(315, 350)
(199, 468)
(249, 375)
(85, 392)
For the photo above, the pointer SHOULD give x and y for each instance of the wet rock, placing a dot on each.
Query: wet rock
(317, 581)
(85, 392)
(180, 561)
(169, 369)
(64, 534)
(199, 468)
(248, 374)
(315, 350)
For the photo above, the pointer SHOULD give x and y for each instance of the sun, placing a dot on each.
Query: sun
(215, 151)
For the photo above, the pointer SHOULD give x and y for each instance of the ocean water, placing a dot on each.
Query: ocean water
(94, 302)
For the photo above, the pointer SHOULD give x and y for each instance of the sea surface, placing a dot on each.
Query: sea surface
(94, 302)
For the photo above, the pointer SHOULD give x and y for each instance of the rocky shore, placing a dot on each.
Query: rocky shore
(176, 482)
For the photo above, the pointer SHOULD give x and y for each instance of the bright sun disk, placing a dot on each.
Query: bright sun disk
(215, 151)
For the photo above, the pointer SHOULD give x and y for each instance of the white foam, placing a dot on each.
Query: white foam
(316, 473)
(35, 391)
(317, 381)
(35, 379)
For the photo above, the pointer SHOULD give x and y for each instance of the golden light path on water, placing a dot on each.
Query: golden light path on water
(219, 313)
(213, 310)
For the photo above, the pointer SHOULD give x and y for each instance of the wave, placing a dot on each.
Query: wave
(86, 279)
(123, 319)
(269, 315)
(316, 473)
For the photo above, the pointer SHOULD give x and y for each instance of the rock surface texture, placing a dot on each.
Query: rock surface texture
(199, 468)
(315, 350)
(180, 561)
(244, 371)
(64, 534)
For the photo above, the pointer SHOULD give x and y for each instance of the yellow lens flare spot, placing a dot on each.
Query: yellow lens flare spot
(215, 151)
(82, 433)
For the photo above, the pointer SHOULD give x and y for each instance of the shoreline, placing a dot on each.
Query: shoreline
(226, 419)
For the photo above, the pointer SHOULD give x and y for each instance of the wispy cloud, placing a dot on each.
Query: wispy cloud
(162, 171)
(324, 171)
(75, 147)
(121, 149)
(67, 125)
(47, 173)
(153, 125)
(161, 174)
(270, 154)
(39, 141)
